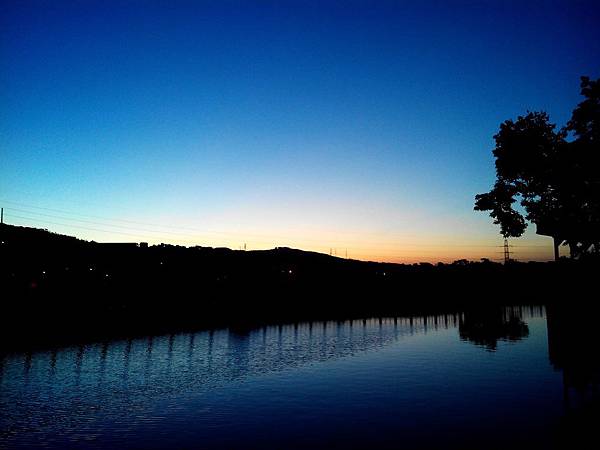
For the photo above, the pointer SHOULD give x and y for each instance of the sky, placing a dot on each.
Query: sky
(354, 128)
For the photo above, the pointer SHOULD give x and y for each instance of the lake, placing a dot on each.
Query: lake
(505, 377)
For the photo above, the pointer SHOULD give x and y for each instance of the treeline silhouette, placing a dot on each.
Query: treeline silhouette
(552, 174)
(57, 287)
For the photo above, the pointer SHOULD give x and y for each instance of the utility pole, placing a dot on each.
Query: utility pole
(506, 251)
(2, 216)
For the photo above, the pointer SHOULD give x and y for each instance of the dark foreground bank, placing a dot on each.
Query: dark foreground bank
(59, 288)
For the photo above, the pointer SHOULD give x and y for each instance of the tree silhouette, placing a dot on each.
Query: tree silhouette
(555, 182)
(584, 162)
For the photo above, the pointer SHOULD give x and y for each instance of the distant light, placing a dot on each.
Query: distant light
(290, 271)
(91, 268)
(43, 272)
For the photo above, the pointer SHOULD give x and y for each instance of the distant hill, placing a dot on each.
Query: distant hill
(55, 285)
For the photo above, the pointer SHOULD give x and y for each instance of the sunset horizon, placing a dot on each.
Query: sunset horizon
(351, 245)
(368, 128)
(315, 224)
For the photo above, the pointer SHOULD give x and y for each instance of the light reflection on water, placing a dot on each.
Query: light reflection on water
(311, 384)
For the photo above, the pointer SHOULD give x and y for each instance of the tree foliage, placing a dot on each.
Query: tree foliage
(554, 179)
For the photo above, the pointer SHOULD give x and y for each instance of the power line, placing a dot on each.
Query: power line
(78, 226)
(210, 231)
(62, 211)
(158, 234)
(181, 238)
(203, 232)
(105, 219)
(368, 256)
(93, 222)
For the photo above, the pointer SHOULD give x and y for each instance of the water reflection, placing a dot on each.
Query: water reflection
(76, 384)
(573, 344)
(488, 326)
(234, 353)
(71, 396)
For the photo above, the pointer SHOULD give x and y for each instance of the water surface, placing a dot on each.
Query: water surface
(455, 380)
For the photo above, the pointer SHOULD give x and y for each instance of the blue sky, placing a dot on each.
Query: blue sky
(364, 126)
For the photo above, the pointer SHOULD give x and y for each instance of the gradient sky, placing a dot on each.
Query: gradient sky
(364, 126)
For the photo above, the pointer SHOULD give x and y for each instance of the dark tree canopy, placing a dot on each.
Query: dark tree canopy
(527, 152)
(585, 164)
(499, 201)
(585, 120)
(555, 181)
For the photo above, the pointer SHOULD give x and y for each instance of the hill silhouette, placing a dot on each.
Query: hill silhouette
(60, 287)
